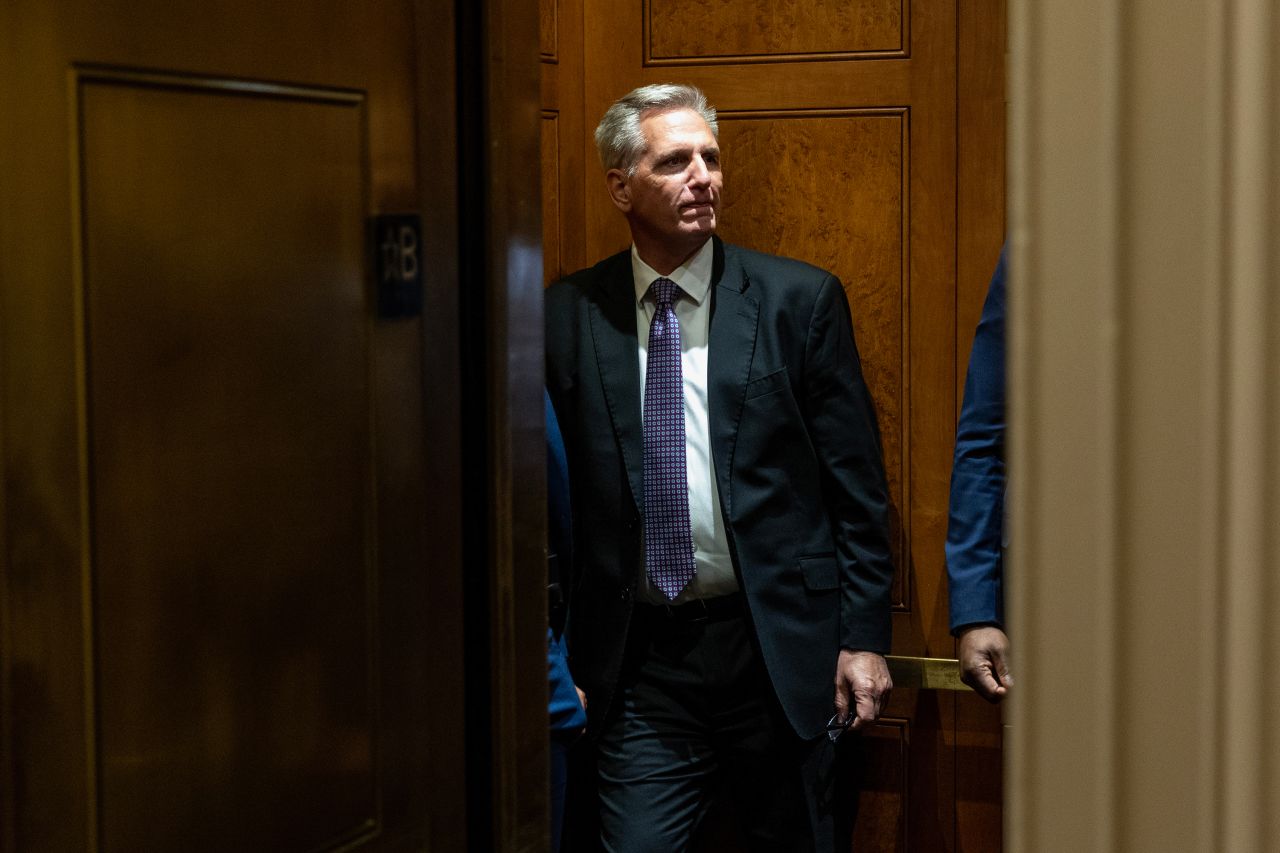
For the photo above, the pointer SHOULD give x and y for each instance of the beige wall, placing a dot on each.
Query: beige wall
(1145, 305)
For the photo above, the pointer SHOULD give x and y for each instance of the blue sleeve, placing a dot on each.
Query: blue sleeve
(975, 527)
(564, 708)
(566, 712)
(559, 525)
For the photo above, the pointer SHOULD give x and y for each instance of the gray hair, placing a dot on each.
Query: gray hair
(619, 139)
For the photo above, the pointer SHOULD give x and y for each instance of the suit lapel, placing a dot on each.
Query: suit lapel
(613, 331)
(731, 344)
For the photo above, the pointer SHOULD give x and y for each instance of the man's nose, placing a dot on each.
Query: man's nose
(700, 174)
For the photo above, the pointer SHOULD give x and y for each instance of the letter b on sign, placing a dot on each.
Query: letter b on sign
(397, 242)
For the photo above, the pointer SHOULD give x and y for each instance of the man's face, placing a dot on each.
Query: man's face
(674, 194)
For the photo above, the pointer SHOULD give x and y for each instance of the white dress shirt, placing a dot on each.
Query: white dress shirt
(692, 305)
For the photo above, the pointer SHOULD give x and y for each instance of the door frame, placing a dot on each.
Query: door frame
(496, 300)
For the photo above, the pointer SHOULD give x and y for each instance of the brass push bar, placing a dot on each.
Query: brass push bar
(926, 673)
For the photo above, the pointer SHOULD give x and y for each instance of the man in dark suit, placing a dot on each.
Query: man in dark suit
(975, 532)
(730, 606)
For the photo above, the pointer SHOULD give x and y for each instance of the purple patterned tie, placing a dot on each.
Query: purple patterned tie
(668, 538)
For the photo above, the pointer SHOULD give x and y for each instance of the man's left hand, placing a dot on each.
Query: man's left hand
(862, 687)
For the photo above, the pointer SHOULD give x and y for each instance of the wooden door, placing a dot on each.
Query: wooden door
(218, 629)
(865, 137)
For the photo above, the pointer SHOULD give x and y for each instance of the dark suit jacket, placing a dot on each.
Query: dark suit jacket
(797, 463)
(975, 530)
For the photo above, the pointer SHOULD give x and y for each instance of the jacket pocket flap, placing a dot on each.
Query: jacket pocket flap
(768, 384)
(820, 572)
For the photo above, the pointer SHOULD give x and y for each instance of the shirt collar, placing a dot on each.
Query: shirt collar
(693, 276)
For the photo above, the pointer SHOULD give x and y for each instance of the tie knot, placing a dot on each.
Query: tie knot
(664, 291)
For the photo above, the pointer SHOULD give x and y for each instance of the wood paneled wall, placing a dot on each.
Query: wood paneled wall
(567, 161)
(228, 608)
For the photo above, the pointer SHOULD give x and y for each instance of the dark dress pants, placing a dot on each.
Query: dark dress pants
(696, 722)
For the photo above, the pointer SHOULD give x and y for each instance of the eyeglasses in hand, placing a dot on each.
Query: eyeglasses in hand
(837, 726)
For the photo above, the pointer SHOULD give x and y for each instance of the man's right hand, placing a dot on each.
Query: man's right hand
(984, 661)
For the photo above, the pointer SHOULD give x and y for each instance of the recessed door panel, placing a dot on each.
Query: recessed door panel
(230, 464)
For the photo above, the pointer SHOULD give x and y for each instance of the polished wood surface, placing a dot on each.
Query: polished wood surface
(866, 138)
(884, 820)
(548, 30)
(552, 228)
(438, 740)
(505, 339)
(567, 170)
(746, 30)
(217, 611)
(980, 230)
(230, 464)
(849, 167)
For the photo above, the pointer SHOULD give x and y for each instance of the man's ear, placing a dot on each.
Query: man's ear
(619, 189)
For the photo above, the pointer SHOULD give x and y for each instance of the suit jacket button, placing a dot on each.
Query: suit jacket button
(625, 594)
